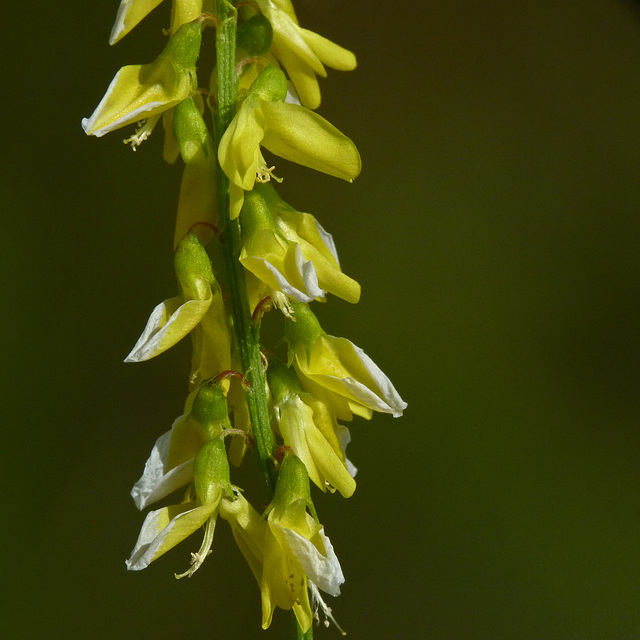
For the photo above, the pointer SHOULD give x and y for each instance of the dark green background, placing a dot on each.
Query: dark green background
(495, 232)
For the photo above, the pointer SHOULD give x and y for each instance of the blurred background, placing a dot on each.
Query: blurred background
(495, 232)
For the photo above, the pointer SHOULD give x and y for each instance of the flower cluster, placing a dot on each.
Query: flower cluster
(293, 404)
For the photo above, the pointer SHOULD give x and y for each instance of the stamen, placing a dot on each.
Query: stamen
(281, 302)
(205, 549)
(265, 174)
(144, 130)
(318, 602)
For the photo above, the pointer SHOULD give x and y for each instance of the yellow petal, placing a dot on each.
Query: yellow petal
(330, 53)
(184, 11)
(163, 332)
(239, 150)
(248, 529)
(301, 135)
(302, 76)
(212, 343)
(130, 13)
(139, 92)
(165, 528)
(197, 204)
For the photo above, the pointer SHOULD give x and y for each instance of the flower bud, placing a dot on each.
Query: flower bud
(270, 85)
(254, 36)
(210, 410)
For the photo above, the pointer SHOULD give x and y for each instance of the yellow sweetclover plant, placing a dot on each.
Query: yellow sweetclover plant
(285, 401)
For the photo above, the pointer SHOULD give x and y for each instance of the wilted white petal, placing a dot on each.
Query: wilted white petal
(327, 238)
(156, 482)
(344, 437)
(325, 571)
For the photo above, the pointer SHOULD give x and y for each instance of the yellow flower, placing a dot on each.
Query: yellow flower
(140, 92)
(131, 12)
(287, 130)
(310, 428)
(289, 251)
(289, 551)
(164, 528)
(295, 549)
(302, 52)
(351, 381)
(199, 308)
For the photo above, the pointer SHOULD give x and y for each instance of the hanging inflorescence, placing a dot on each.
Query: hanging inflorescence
(288, 405)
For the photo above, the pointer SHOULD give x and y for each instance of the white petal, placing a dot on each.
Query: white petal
(381, 397)
(155, 482)
(325, 571)
(149, 541)
(389, 393)
(129, 116)
(292, 95)
(327, 238)
(308, 274)
(344, 437)
(157, 536)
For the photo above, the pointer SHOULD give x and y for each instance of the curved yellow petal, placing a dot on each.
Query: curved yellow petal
(130, 13)
(239, 150)
(139, 92)
(301, 135)
(330, 53)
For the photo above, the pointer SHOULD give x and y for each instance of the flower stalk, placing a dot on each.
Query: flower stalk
(247, 331)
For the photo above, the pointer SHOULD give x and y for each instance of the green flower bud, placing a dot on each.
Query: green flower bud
(255, 35)
(282, 381)
(190, 130)
(210, 410)
(184, 45)
(292, 494)
(256, 214)
(270, 85)
(302, 329)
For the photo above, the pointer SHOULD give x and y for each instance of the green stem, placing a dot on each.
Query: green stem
(298, 634)
(247, 332)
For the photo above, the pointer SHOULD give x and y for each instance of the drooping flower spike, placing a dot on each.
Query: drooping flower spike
(263, 87)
